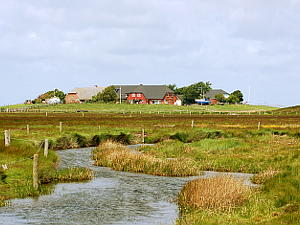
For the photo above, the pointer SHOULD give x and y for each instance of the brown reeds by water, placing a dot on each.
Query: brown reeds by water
(262, 177)
(67, 175)
(222, 193)
(121, 158)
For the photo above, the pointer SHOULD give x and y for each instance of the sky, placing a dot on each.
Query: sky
(249, 45)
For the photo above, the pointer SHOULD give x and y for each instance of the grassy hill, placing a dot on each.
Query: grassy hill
(293, 109)
(117, 108)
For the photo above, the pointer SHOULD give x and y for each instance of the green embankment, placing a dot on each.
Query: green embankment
(16, 179)
(117, 108)
(291, 110)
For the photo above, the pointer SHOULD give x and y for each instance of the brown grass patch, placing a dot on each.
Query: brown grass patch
(217, 193)
(121, 158)
(262, 177)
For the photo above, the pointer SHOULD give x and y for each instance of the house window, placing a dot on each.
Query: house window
(138, 95)
(133, 95)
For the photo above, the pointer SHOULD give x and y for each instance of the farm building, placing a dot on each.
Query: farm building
(80, 95)
(54, 100)
(211, 95)
(147, 94)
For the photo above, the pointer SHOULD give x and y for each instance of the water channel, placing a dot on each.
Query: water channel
(110, 198)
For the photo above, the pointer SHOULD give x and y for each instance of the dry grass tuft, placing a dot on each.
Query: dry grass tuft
(217, 193)
(262, 177)
(119, 157)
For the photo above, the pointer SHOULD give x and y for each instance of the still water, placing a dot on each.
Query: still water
(110, 198)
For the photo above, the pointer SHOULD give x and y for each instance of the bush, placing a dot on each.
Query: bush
(66, 142)
(197, 135)
(81, 140)
(120, 138)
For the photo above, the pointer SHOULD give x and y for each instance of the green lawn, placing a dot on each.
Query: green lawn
(119, 108)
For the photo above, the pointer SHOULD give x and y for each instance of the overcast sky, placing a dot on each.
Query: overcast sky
(235, 44)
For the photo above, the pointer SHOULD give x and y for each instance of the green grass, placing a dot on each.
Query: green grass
(136, 108)
(275, 203)
(121, 158)
(291, 110)
(248, 155)
(217, 142)
(16, 181)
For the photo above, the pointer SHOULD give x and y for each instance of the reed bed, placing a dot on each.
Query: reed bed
(222, 193)
(67, 175)
(264, 176)
(121, 158)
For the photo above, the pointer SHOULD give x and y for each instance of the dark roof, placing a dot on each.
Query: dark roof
(150, 91)
(213, 92)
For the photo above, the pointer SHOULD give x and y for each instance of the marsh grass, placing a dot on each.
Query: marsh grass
(66, 175)
(264, 176)
(222, 193)
(17, 180)
(119, 157)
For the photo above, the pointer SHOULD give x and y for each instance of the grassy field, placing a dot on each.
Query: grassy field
(128, 108)
(291, 110)
(267, 145)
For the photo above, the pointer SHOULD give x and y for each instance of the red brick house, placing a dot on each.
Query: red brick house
(148, 94)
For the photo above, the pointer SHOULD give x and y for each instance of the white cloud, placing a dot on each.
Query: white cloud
(227, 42)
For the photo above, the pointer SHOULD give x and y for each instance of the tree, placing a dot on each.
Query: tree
(194, 91)
(173, 87)
(220, 98)
(235, 97)
(50, 94)
(107, 95)
(239, 95)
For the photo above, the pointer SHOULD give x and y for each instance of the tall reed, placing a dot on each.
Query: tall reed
(217, 193)
(121, 158)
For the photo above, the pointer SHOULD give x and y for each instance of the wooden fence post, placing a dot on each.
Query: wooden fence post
(27, 128)
(35, 173)
(46, 113)
(82, 114)
(192, 123)
(46, 147)
(6, 138)
(99, 127)
(259, 125)
(143, 136)
(60, 127)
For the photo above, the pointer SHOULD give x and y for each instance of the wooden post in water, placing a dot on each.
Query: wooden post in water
(60, 127)
(46, 147)
(35, 173)
(6, 138)
(192, 124)
(259, 125)
(143, 136)
(27, 128)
